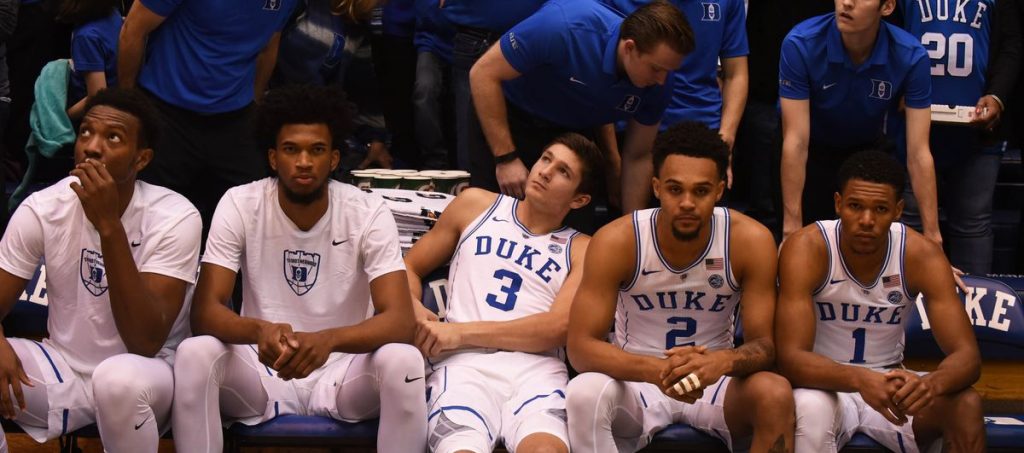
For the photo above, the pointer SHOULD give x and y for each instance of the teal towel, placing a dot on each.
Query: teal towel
(51, 127)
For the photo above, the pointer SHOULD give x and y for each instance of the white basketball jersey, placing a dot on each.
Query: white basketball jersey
(663, 307)
(315, 279)
(501, 271)
(862, 324)
(163, 231)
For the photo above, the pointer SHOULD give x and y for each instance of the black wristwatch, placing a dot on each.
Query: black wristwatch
(505, 158)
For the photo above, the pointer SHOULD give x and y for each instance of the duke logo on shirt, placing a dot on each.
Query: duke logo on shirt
(712, 12)
(629, 103)
(301, 270)
(94, 275)
(272, 5)
(881, 89)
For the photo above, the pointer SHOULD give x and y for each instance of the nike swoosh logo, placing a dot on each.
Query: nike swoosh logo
(647, 272)
(832, 282)
(575, 80)
(830, 85)
(407, 380)
(338, 242)
(496, 219)
(136, 243)
(143, 423)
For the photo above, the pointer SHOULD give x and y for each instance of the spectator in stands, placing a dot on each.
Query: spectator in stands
(8, 20)
(430, 97)
(967, 160)
(119, 256)
(500, 345)
(478, 25)
(838, 76)
(394, 64)
(700, 92)
(204, 73)
(669, 363)
(332, 339)
(846, 287)
(577, 66)
(93, 48)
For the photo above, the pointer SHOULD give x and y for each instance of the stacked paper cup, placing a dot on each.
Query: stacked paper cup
(447, 181)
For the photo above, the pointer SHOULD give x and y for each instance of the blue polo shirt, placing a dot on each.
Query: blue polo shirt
(494, 15)
(566, 53)
(94, 49)
(203, 56)
(848, 103)
(399, 18)
(433, 32)
(721, 31)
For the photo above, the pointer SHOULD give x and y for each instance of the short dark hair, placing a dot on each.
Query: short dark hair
(658, 22)
(872, 165)
(589, 155)
(691, 139)
(134, 103)
(78, 12)
(303, 104)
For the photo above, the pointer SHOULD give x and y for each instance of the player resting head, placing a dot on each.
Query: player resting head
(302, 127)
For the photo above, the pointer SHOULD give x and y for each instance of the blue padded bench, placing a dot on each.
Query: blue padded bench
(302, 431)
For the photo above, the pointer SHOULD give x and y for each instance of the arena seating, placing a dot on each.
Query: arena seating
(993, 305)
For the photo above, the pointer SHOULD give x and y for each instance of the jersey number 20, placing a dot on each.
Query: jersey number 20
(956, 65)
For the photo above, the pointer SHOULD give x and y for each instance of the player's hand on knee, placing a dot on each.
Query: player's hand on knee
(877, 391)
(273, 343)
(433, 338)
(915, 393)
(311, 352)
(12, 375)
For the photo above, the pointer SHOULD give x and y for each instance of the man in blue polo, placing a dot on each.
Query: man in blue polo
(205, 64)
(839, 75)
(478, 24)
(720, 25)
(577, 66)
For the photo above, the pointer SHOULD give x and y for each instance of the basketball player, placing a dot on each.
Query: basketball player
(119, 256)
(498, 371)
(305, 343)
(671, 279)
(845, 287)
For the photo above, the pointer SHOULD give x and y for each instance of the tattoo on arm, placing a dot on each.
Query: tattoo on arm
(779, 446)
(754, 356)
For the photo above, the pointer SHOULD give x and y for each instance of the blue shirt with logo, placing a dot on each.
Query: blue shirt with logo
(721, 32)
(566, 53)
(848, 103)
(94, 49)
(203, 56)
(494, 15)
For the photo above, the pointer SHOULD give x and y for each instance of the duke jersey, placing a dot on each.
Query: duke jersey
(502, 271)
(663, 307)
(315, 279)
(956, 35)
(857, 323)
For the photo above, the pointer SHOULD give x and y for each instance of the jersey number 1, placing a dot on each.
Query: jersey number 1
(859, 339)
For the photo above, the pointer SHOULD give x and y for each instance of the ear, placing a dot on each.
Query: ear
(655, 187)
(143, 158)
(899, 208)
(838, 199)
(721, 190)
(272, 158)
(888, 6)
(335, 159)
(580, 201)
(629, 45)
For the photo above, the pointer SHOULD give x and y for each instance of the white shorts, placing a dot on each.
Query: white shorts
(315, 394)
(706, 414)
(473, 402)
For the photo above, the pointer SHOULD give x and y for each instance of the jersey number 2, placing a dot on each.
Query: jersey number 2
(689, 327)
(510, 290)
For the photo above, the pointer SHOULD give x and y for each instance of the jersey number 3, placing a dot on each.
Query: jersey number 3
(509, 290)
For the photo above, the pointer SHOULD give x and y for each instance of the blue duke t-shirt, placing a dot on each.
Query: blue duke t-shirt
(566, 53)
(848, 103)
(203, 56)
(94, 49)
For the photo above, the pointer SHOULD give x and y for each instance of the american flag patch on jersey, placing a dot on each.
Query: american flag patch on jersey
(891, 281)
(714, 264)
(558, 239)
